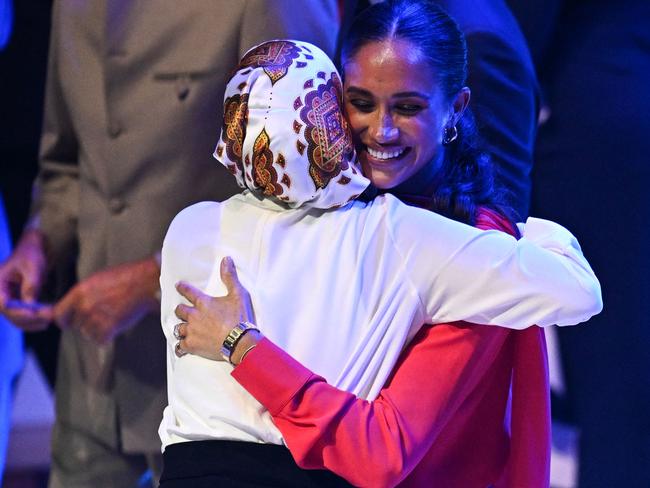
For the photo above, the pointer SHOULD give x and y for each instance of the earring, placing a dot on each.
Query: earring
(449, 135)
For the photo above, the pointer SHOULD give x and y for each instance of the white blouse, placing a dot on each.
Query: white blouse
(343, 291)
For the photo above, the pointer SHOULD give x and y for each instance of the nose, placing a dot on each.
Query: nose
(385, 130)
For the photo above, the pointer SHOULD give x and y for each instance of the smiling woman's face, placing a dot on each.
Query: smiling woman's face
(396, 111)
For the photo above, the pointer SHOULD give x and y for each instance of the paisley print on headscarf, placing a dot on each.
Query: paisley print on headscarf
(326, 131)
(264, 174)
(235, 119)
(284, 120)
(274, 57)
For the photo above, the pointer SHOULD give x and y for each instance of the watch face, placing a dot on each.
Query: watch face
(233, 337)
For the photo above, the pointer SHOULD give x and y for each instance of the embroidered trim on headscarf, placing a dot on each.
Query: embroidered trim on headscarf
(274, 57)
(264, 174)
(235, 119)
(326, 131)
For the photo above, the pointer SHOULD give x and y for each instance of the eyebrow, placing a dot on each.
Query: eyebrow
(360, 91)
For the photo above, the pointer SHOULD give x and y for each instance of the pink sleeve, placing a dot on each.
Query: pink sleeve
(372, 443)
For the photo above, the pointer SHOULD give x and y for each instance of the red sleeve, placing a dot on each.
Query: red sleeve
(375, 443)
(372, 443)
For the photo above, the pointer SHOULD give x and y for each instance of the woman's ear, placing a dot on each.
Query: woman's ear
(459, 104)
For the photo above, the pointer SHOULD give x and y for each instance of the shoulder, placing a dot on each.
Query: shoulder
(191, 239)
(396, 215)
(389, 203)
(201, 217)
(196, 212)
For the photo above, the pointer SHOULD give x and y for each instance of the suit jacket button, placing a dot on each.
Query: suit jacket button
(114, 130)
(116, 205)
(116, 53)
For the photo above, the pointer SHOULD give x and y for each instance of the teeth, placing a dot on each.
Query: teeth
(385, 154)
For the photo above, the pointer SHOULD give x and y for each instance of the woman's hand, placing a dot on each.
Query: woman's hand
(208, 321)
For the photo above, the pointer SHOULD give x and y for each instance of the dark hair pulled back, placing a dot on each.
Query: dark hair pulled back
(466, 179)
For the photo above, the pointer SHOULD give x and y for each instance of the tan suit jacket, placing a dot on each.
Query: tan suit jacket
(133, 112)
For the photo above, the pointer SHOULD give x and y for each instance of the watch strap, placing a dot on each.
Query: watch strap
(233, 337)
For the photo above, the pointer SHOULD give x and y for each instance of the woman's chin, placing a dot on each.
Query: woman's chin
(381, 179)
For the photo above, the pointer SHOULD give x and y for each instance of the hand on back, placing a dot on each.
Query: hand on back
(208, 320)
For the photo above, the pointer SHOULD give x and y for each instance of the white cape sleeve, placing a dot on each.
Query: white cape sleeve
(489, 277)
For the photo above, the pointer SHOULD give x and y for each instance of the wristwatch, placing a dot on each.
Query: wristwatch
(233, 337)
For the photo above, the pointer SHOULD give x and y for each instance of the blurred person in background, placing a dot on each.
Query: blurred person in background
(11, 340)
(133, 99)
(23, 64)
(591, 173)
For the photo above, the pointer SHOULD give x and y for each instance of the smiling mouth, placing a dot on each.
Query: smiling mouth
(386, 155)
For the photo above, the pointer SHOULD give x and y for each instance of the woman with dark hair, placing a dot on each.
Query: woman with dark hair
(441, 418)
(453, 181)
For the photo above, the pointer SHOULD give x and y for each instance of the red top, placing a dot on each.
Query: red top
(442, 419)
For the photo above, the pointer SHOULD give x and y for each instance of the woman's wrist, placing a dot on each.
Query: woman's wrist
(244, 345)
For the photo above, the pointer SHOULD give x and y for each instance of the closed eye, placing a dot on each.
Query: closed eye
(408, 109)
(361, 104)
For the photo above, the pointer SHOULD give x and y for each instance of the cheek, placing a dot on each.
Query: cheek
(426, 137)
(429, 145)
(426, 154)
(356, 122)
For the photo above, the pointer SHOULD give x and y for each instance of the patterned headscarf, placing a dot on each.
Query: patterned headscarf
(284, 134)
